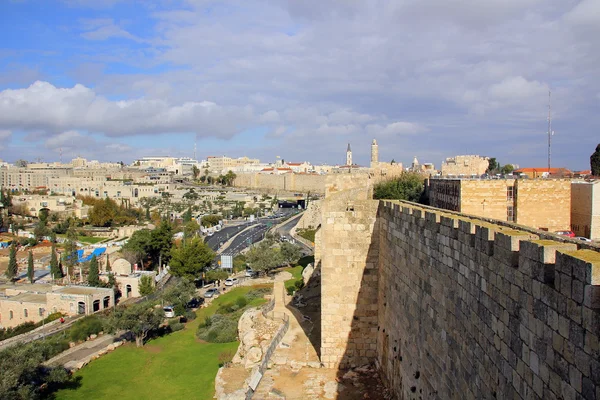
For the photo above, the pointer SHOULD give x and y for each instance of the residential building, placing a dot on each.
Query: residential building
(26, 302)
(534, 173)
(542, 203)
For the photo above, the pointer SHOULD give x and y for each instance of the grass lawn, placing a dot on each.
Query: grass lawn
(296, 275)
(175, 366)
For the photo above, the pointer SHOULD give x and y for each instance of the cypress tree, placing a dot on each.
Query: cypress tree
(93, 278)
(595, 161)
(108, 268)
(11, 271)
(30, 267)
(55, 271)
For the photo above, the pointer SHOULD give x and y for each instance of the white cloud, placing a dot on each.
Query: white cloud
(395, 128)
(46, 107)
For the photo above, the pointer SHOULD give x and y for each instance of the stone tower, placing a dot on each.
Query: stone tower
(349, 155)
(374, 154)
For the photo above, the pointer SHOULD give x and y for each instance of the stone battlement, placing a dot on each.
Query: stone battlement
(452, 306)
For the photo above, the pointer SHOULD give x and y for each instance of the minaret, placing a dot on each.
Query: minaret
(349, 155)
(374, 154)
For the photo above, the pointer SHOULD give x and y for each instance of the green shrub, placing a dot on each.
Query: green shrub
(257, 293)
(299, 284)
(85, 327)
(189, 315)
(222, 329)
(175, 325)
(241, 302)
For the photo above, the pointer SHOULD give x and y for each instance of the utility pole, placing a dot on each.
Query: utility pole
(550, 131)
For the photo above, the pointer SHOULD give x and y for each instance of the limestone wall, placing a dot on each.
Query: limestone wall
(289, 182)
(348, 253)
(468, 309)
(544, 203)
(311, 218)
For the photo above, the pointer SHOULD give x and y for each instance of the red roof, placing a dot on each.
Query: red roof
(294, 163)
(541, 170)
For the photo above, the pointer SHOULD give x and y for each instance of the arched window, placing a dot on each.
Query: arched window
(25, 313)
(10, 314)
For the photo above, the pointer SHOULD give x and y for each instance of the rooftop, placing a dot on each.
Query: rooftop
(28, 298)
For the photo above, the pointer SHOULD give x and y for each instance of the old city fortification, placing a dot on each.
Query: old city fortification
(451, 306)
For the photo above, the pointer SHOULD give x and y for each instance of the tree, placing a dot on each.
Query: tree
(191, 229)
(93, 273)
(408, 186)
(195, 172)
(507, 169)
(161, 241)
(595, 161)
(289, 252)
(30, 269)
(103, 213)
(108, 268)
(140, 319)
(493, 166)
(71, 258)
(146, 285)
(112, 282)
(190, 259)
(262, 257)
(40, 230)
(179, 295)
(137, 247)
(216, 275)
(55, 271)
(210, 220)
(12, 269)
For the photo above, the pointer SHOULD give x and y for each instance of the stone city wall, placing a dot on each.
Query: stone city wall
(469, 309)
(289, 182)
(452, 307)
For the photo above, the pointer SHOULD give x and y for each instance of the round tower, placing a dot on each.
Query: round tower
(374, 154)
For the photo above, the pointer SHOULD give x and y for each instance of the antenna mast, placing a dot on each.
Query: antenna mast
(195, 149)
(550, 132)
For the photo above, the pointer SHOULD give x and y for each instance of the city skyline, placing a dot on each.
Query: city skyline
(117, 80)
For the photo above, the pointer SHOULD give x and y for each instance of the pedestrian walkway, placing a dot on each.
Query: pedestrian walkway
(81, 354)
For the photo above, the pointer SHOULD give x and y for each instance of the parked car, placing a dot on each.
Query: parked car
(249, 272)
(211, 293)
(570, 234)
(169, 311)
(231, 281)
(195, 302)
(583, 239)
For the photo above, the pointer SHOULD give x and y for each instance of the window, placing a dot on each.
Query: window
(510, 214)
(10, 315)
(510, 193)
(25, 313)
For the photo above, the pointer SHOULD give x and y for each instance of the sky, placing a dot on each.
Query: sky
(115, 80)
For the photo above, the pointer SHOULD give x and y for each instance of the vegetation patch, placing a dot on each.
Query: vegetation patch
(221, 327)
(308, 234)
(175, 366)
(27, 327)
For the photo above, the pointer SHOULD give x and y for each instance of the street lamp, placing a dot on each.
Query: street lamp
(43, 311)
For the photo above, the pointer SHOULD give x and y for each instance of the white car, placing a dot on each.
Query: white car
(231, 281)
(169, 312)
(583, 239)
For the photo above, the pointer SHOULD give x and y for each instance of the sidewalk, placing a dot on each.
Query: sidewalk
(78, 356)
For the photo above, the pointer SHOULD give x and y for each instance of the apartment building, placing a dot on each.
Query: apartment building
(542, 203)
(222, 164)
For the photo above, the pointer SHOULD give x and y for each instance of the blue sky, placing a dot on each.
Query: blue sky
(119, 79)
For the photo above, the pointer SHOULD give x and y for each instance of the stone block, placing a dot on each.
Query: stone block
(583, 265)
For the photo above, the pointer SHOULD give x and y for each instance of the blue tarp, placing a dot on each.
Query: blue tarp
(96, 252)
